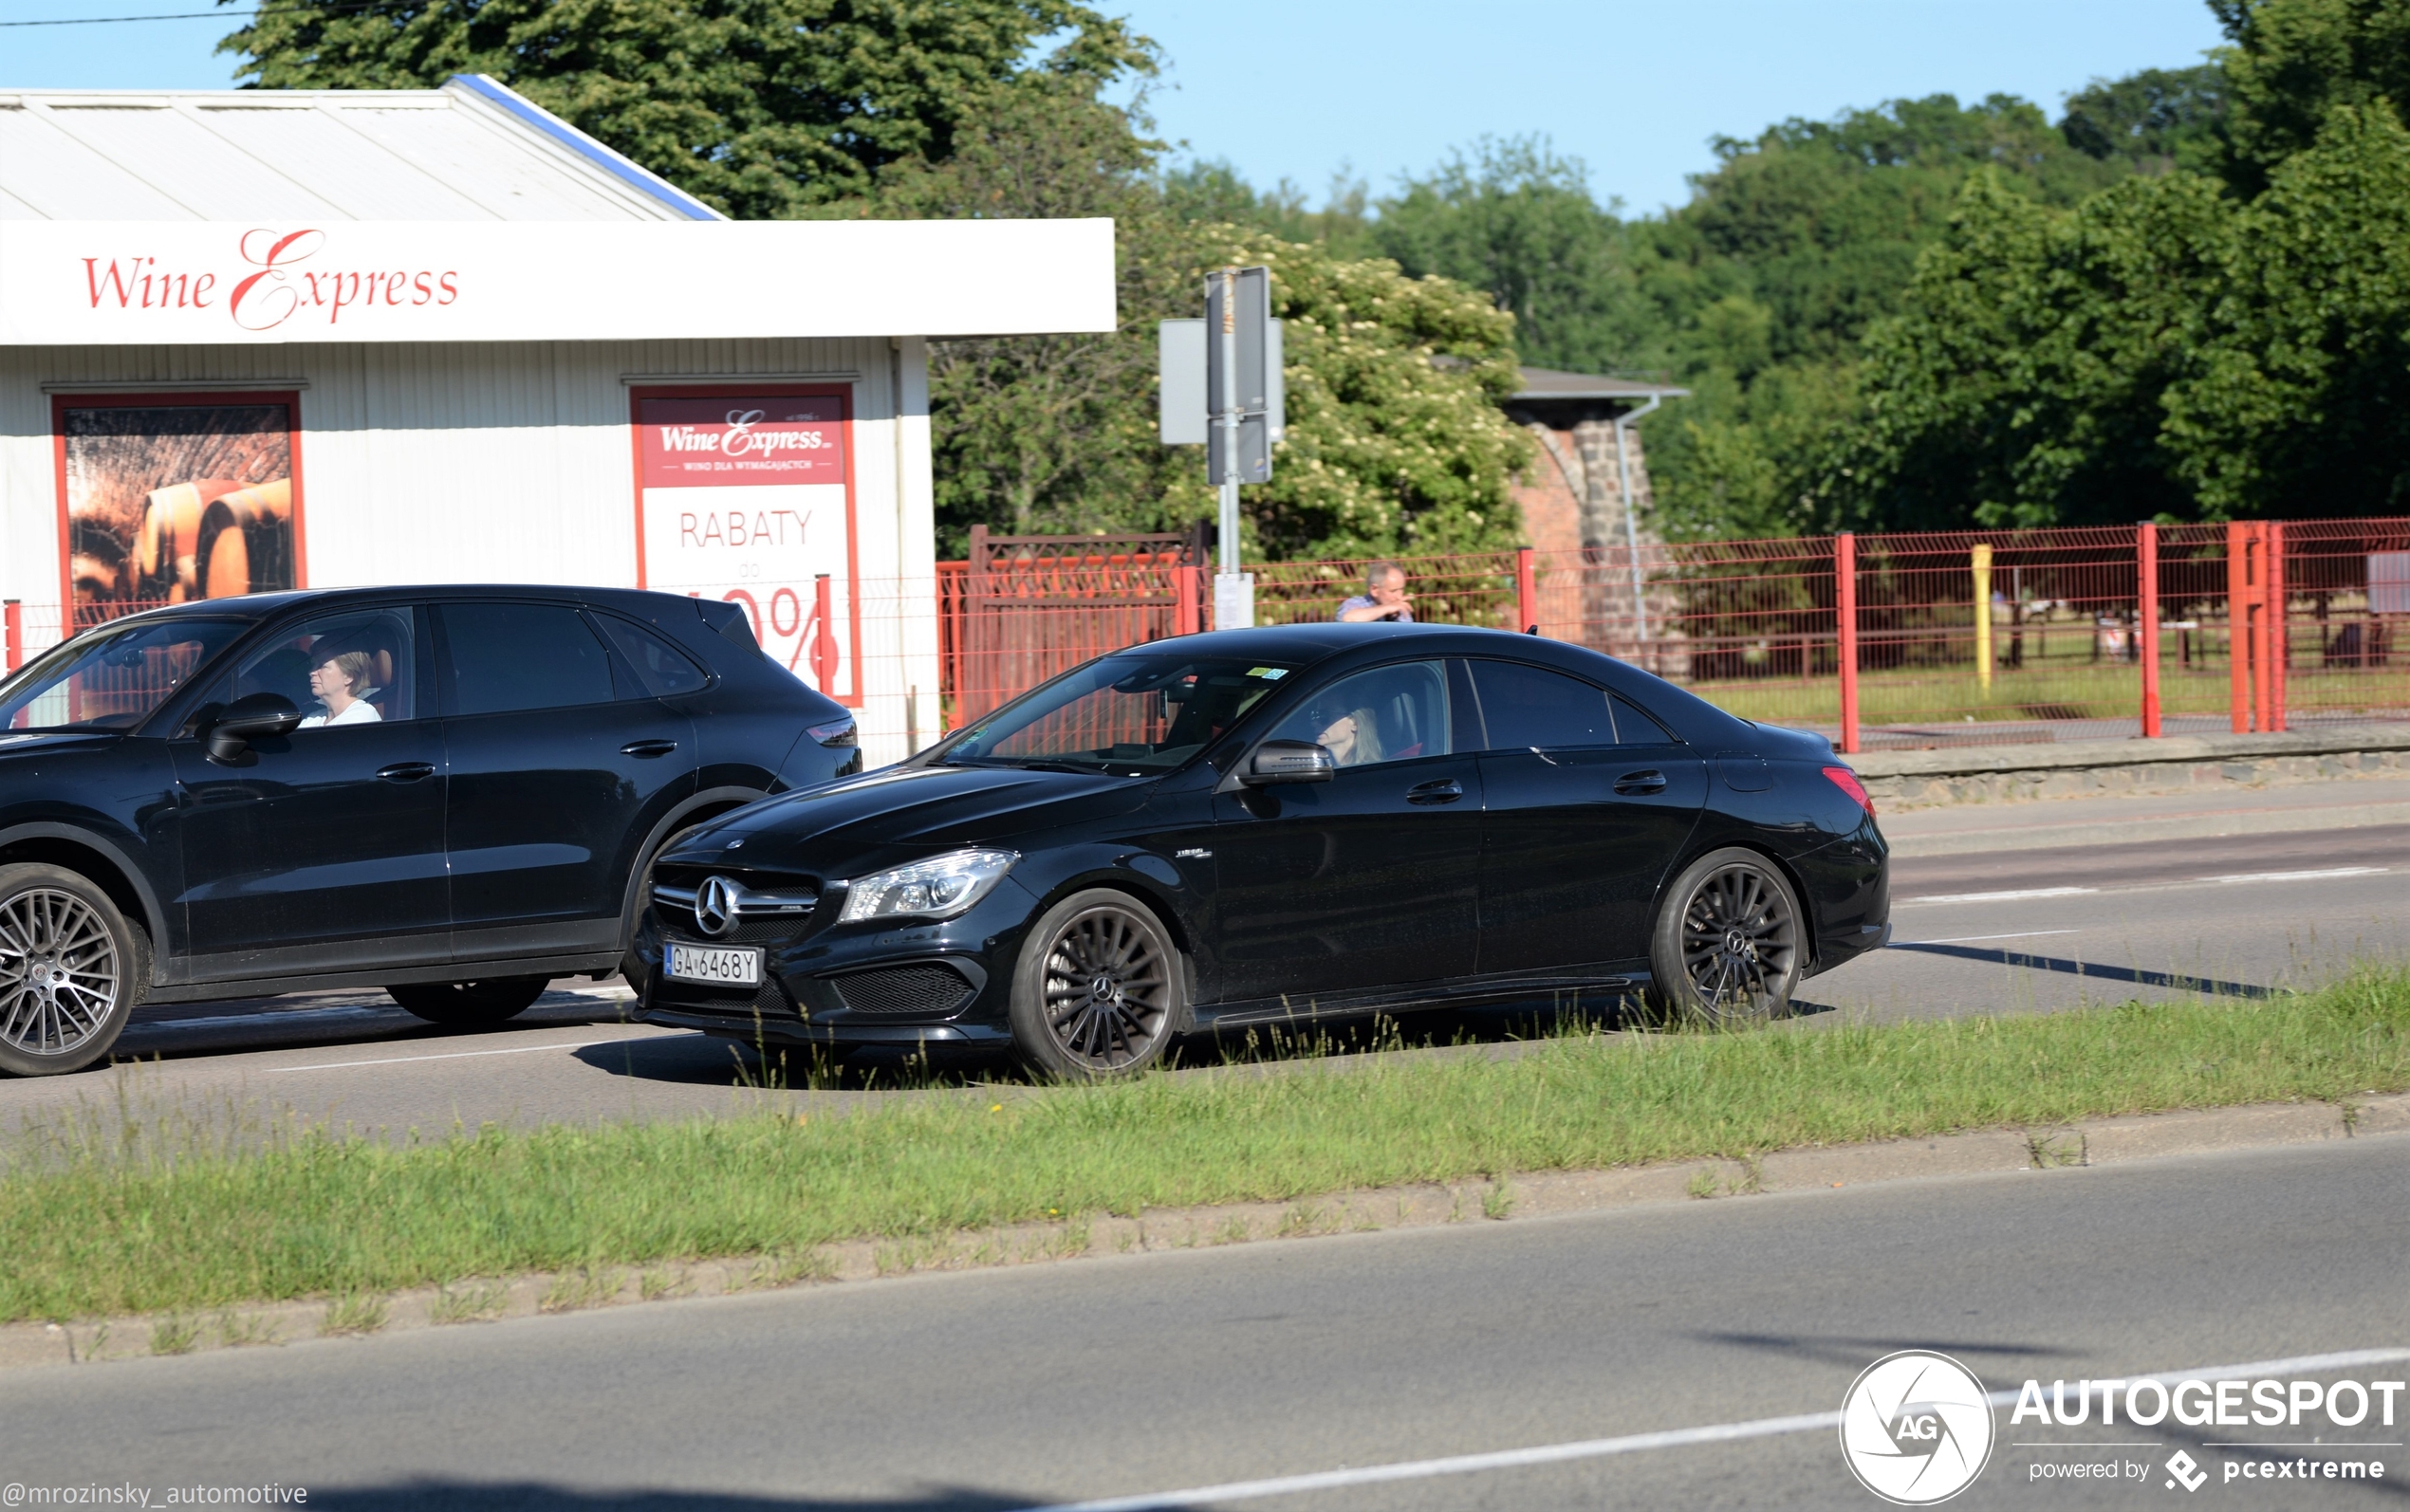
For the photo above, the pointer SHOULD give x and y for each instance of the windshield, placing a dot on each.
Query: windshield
(1131, 714)
(113, 677)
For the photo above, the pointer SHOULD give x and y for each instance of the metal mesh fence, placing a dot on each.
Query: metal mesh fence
(1957, 638)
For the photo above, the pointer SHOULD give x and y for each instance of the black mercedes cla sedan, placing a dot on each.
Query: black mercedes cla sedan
(451, 793)
(1263, 825)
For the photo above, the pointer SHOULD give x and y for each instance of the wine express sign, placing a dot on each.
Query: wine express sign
(65, 283)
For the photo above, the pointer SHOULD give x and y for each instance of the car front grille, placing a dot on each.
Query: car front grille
(924, 989)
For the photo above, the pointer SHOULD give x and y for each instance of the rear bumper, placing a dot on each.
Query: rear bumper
(1848, 888)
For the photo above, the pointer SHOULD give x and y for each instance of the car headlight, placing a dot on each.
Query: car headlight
(938, 888)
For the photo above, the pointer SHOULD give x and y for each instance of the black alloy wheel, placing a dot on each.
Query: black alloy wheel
(1100, 988)
(71, 970)
(1727, 945)
(467, 1005)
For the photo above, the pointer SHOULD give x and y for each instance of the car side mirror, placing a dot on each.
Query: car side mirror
(1289, 761)
(248, 718)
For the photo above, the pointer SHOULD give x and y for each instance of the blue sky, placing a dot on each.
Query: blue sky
(1298, 89)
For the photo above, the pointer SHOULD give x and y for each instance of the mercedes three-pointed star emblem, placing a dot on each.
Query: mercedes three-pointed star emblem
(716, 906)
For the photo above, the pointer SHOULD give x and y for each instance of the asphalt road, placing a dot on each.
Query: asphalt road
(2018, 930)
(1111, 1377)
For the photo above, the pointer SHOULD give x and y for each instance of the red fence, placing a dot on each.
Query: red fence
(2091, 632)
(1880, 641)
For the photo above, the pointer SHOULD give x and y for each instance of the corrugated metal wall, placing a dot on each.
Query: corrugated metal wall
(426, 463)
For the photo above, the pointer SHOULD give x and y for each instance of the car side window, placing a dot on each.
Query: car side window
(1388, 714)
(1638, 726)
(660, 667)
(1524, 706)
(514, 656)
(351, 669)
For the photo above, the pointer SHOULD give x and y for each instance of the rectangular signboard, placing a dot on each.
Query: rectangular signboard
(153, 282)
(164, 498)
(745, 493)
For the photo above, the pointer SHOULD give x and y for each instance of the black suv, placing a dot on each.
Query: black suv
(452, 793)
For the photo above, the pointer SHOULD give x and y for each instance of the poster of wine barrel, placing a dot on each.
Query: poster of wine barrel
(167, 502)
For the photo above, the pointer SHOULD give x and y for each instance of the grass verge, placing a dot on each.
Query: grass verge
(93, 1228)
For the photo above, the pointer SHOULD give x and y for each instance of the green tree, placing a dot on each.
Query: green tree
(2023, 386)
(1515, 219)
(759, 107)
(2156, 119)
(2296, 399)
(2290, 63)
(2163, 350)
(1397, 443)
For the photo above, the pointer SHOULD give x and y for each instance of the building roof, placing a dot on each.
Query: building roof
(470, 151)
(1547, 383)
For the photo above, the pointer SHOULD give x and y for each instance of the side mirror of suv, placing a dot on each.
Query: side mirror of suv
(247, 719)
(1289, 761)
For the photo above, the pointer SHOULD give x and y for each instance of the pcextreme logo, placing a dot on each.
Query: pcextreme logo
(1915, 1428)
(273, 277)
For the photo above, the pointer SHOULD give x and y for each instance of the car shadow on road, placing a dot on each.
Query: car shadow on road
(461, 1496)
(2167, 980)
(1855, 1351)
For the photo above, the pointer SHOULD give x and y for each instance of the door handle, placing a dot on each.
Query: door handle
(648, 748)
(1634, 783)
(1445, 791)
(406, 771)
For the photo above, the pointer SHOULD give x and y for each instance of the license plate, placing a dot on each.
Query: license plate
(699, 962)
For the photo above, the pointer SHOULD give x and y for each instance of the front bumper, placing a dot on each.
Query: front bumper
(900, 983)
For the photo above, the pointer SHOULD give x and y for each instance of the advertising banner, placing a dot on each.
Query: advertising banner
(746, 494)
(175, 283)
(168, 498)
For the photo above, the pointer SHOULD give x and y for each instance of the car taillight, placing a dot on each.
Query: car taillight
(1847, 782)
(836, 732)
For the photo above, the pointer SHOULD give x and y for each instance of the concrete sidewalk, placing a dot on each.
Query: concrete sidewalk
(1973, 828)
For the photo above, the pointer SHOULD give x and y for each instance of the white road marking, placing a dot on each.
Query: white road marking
(465, 1055)
(1967, 939)
(2001, 898)
(1637, 1443)
(2297, 876)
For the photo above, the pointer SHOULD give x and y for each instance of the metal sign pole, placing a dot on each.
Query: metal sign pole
(1230, 420)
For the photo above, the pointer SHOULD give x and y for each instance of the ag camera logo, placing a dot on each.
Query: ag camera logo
(1915, 1428)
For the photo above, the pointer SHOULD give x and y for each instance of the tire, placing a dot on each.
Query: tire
(492, 999)
(1730, 944)
(631, 965)
(1099, 989)
(72, 968)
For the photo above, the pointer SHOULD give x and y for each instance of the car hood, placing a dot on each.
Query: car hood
(898, 813)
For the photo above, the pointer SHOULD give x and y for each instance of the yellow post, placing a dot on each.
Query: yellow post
(1983, 619)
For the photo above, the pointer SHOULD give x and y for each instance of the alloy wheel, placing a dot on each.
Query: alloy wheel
(58, 973)
(1739, 941)
(1107, 990)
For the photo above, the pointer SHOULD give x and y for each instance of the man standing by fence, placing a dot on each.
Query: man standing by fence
(1384, 598)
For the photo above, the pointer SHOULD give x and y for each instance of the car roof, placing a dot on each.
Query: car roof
(1333, 641)
(257, 606)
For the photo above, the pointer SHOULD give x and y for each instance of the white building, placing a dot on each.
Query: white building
(253, 339)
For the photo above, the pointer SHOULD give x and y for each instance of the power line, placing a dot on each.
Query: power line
(200, 15)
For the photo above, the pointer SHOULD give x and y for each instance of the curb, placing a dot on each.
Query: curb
(1968, 760)
(1985, 842)
(2085, 1142)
